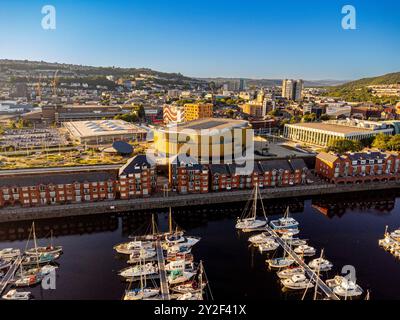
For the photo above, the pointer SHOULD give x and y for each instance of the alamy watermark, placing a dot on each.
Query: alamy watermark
(49, 21)
(349, 21)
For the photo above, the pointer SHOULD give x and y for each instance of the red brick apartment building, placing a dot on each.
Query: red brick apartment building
(269, 173)
(188, 176)
(58, 188)
(359, 167)
(137, 178)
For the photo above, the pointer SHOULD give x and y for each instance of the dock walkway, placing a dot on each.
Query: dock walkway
(163, 274)
(311, 273)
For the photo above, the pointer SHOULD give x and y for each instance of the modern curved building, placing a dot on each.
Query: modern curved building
(204, 139)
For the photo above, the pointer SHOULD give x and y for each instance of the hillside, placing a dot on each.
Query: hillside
(358, 91)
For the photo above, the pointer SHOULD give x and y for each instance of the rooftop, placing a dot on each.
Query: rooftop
(332, 127)
(101, 127)
(210, 123)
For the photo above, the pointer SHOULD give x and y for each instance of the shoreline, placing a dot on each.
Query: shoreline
(14, 214)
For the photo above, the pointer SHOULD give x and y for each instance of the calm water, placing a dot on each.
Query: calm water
(348, 228)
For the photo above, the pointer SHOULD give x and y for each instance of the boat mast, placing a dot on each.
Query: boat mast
(170, 220)
(201, 278)
(35, 243)
(255, 202)
(318, 272)
(153, 224)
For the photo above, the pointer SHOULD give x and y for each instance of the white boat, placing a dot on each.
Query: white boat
(395, 234)
(305, 250)
(250, 222)
(348, 288)
(179, 265)
(297, 282)
(139, 270)
(288, 233)
(4, 264)
(178, 249)
(133, 246)
(289, 272)
(284, 223)
(141, 294)
(42, 250)
(386, 243)
(28, 280)
(191, 286)
(9, 253)
(321, 264)
(260, 239)
(268, 246)
(180, 276)
(187, 242)
(15, 295)
(279, 263)
(191, 296)
(143, 254)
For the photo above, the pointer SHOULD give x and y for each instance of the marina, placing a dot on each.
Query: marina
(92, 240)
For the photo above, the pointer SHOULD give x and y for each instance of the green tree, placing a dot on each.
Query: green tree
(381, 141)
(394, 143)
(344, 145)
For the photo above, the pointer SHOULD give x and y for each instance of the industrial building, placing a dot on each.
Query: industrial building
(104, 132)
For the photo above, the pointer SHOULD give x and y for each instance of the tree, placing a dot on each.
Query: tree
(344, 145)
(325, 117)
(381, 141)
(394, 143)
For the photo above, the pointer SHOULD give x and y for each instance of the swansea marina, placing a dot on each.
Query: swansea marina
(346, 228)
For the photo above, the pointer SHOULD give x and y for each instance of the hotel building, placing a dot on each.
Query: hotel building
(322, 132)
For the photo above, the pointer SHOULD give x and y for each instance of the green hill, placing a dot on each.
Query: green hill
(358, 91)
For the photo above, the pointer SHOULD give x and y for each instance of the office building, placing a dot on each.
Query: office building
(292, 89)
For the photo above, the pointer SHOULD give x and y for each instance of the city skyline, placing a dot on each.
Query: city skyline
(224, 39)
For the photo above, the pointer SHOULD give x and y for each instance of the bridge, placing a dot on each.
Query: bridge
(163, 274)
(310, 273)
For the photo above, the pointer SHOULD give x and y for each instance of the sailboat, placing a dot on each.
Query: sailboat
(279, 263)
(139, 270)
(320, 264)
(297, 282)
(250, 221)
(194, 286)
(38, 258)
(143, 292)
(286, 222)
(49, 249)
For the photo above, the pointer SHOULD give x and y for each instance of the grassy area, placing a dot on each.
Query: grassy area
(66, 159)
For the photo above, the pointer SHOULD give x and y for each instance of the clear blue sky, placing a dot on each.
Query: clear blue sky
(207, 38)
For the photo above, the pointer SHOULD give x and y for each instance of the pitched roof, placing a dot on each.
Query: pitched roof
(218, 169)
(297, 164)
(328, 157)
(55, 179)
(270, 165)
(135, 165)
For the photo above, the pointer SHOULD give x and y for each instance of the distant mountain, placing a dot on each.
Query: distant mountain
(390, 78)
(276, 82)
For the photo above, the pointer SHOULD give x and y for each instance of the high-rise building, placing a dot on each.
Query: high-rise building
(242, 85)
(292, 89)
(195, 111)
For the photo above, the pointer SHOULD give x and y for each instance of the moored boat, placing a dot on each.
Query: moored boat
(9, 253)
(43, 250)
(321, 264)
(289, 272)
(305, 250)
(250, 222)
(268, 246)
(16, 295)
(180, 276)
(284, 223)
(4, 264)
(297, 282)
(139, 270)
(133, 246)
(141, 294)
(191, 296)
(44, 258)
(279, 263)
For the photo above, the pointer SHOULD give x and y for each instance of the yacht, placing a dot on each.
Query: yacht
(180, 276)
(279, 263)
(395, 235)
(289, 272)
(141, 294)
(191, 296)
(179, 265)
(190, 286)
(348, 288)
(133, 246)
(288, 232)
(15, 295)
(186, 242)
(9, 253)
(284, 223)
(143, 254)
(297, 282)
(305, 250)
(321, 264)
(139, 270)
(179, 249)
(250, 222)
(259, 239)
(271, 245)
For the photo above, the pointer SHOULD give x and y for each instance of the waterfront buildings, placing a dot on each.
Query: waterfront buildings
(57, 188)
(320, 133)
(104, 132)
(204, 139)
(188, 176)
(359, 167)
(292, 89)
(137, 178)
